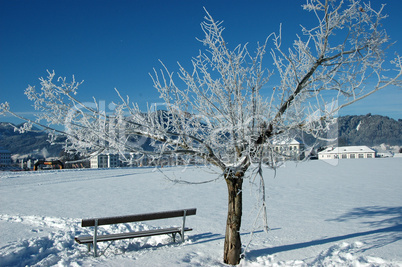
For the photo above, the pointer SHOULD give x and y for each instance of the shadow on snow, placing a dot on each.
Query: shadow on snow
(389, 218)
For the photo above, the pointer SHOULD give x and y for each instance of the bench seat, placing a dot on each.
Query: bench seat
(110, 237)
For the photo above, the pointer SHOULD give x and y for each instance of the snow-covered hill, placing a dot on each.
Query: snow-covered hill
(349, 214)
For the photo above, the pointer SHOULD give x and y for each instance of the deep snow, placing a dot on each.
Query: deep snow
(345, 213)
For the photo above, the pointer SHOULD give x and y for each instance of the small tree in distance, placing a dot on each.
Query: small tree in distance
(226, 114)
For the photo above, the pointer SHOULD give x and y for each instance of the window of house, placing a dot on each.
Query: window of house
(361, 156)
(352, 156)
(369, 155)
(344, 156)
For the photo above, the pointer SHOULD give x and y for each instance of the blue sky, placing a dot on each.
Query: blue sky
(115, 44)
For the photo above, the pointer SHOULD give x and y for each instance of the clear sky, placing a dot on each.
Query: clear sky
(115, 44)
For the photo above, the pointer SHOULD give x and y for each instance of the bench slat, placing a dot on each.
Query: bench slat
(110, 237)
(138, 217)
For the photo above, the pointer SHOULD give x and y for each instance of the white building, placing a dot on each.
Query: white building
(5, 157)
(289, 150)
(347, 152)
(106, 160)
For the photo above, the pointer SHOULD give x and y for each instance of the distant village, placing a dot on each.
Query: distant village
(292, 150)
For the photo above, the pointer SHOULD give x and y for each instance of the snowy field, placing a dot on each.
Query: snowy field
(319, 214)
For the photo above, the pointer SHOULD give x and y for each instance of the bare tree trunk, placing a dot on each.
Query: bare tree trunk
(232, 249)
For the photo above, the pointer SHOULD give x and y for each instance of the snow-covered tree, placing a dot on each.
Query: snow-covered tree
(228, 113)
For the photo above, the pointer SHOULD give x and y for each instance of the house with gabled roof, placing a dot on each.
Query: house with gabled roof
(289, 149)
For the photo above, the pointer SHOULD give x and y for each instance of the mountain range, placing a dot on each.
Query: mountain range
(369, 130)
(29, 143)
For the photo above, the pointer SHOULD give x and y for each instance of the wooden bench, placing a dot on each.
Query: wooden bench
(95, 222)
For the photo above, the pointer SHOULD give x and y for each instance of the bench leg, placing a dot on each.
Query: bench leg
(182, 228)
(89, 247)
(95, 238)
(174, 237)
(103, 253)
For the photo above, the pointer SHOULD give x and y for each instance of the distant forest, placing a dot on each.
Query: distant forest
(369, 130)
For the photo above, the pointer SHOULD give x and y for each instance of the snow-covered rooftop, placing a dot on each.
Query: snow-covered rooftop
(347, 149)
(287, 142)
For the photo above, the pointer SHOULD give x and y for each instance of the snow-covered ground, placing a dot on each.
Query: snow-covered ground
(320, 214)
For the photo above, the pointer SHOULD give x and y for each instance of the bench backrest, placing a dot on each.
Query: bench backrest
(138, 217)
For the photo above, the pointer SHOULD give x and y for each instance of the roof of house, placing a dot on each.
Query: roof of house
(347, 149)
(287, 142)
